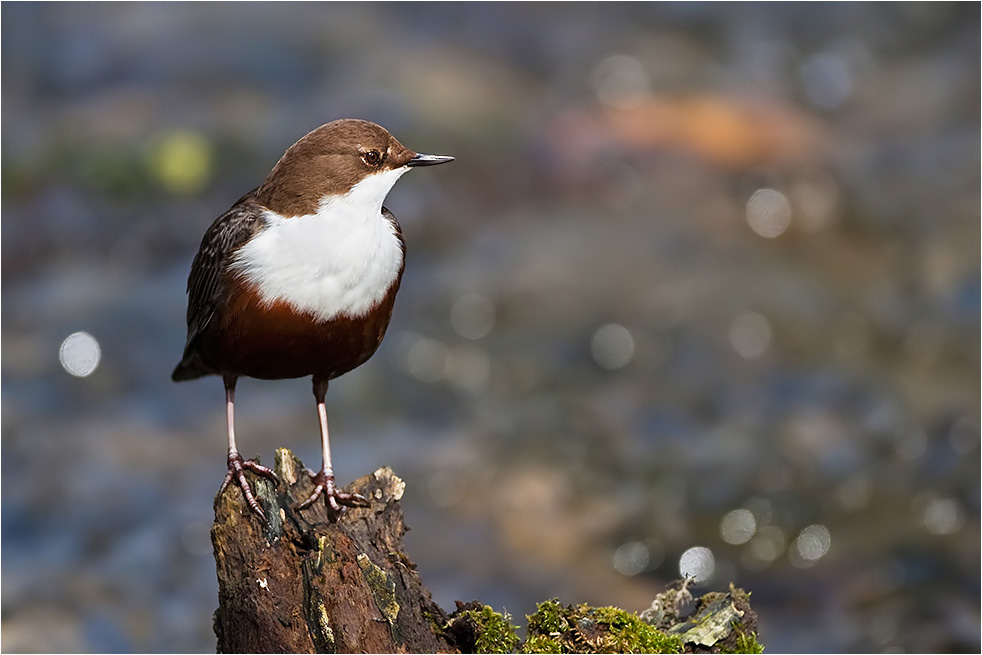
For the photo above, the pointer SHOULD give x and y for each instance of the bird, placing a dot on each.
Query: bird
(299, 278)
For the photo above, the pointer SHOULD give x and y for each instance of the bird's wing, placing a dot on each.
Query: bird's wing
(206, 283)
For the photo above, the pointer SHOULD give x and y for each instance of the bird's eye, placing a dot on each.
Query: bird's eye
(372, 158)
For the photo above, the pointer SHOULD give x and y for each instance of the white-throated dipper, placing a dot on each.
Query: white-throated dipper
(299, 278)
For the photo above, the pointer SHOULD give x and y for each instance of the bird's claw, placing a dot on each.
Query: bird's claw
(236, 470)
(335, 499)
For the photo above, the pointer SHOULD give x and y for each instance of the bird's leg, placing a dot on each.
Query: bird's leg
(236, 465)
(324, 479)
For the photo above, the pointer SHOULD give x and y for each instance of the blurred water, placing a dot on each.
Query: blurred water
(701, 287)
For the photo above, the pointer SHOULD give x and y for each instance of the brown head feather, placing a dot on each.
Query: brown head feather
(328, 160)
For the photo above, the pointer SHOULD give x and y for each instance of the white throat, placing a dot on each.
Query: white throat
(340, 260)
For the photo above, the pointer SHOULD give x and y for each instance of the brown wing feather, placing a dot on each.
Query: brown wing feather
(206, 283)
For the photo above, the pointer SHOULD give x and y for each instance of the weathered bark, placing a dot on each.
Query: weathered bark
(304, 585)
(301, 584)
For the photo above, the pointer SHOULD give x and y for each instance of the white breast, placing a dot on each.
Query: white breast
(338, 261)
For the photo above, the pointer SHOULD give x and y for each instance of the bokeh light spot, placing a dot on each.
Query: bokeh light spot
(612, 346)
(181, 161)
(768, 545)
(768, 213)
(813, 542)
(698, 562)
(469, 368)
(853, 493)
(631, 558)
(79, 354)
(620, 81)
(750, 335)
(472, 316)
(427, 359)
(942, 516)
(738, 526)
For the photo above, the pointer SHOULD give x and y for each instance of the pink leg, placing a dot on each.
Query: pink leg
(324, 480)
(236, 465)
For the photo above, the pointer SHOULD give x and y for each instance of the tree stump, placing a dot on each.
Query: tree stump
(304, 585)
(301, 584)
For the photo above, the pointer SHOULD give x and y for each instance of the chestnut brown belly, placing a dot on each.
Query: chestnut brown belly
(273, 342)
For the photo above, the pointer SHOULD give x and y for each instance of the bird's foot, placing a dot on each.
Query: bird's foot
(236, 470)
(335, 499)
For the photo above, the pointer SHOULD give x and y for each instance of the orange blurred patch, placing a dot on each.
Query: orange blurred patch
(725, 131)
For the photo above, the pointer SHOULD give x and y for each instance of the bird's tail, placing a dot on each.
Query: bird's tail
(187, 370)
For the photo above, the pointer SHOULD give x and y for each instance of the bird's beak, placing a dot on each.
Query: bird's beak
(428, 160)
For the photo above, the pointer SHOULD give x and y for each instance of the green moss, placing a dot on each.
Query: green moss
(555, 628)
(548, 617)
(542, 644)
(497, 633)
(627, 633)
(584, 629)
(747, 643)
(491, 632)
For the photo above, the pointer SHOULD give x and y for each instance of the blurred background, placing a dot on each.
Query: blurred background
(701, 292)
